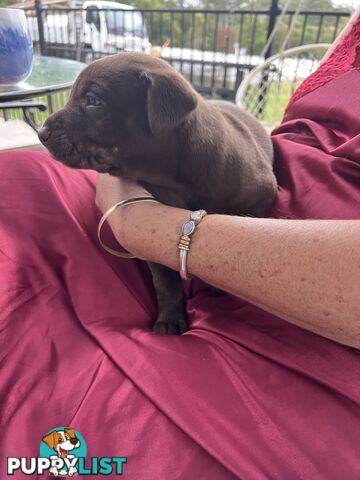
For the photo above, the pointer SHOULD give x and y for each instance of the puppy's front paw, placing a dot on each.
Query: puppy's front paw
(171, 324)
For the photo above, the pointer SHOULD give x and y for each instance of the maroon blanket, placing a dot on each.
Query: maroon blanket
(243, 394)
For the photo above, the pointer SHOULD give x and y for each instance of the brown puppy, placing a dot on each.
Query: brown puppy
(134, 116)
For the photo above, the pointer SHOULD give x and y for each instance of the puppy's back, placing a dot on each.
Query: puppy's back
(238, 117)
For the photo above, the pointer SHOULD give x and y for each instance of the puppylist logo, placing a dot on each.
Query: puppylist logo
(63, 454)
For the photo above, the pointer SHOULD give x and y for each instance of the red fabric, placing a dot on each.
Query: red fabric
(342, 59)
(243, 394)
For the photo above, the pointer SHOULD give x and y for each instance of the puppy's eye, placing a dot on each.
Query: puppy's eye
(93, 101)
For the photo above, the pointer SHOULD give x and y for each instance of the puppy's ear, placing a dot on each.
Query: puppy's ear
(169, 100)
(50, 439)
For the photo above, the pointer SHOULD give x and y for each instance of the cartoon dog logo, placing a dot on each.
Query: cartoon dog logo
(62, 441)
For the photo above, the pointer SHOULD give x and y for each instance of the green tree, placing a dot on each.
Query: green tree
(248, 31)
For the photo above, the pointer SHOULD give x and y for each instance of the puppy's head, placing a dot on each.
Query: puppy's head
(120, 108)
(62, 441)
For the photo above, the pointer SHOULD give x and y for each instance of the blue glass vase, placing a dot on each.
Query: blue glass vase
(16, 50)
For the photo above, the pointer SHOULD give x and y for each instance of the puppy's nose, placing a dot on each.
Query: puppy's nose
(44, 134)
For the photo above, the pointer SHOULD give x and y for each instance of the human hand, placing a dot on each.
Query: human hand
(110, 190)
(124, 222)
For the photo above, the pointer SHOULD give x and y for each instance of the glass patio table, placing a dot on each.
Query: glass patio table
(49, 75)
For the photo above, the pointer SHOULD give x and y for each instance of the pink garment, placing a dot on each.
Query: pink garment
(343, 58)
(243, 394)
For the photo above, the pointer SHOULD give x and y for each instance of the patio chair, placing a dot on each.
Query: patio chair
(267, 89)
(27, 107)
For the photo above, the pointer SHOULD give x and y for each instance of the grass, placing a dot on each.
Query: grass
(277, 98)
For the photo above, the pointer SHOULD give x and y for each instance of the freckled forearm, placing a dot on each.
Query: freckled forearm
(306, 272)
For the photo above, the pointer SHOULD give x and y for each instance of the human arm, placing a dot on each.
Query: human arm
(304, 271)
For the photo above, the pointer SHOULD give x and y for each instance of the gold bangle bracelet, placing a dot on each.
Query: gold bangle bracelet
(112, 209)
(187, 230)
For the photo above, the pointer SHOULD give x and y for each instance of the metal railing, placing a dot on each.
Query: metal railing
(214, 49)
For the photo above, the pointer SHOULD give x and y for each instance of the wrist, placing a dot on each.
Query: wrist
(150, 231)
(188, 230)
(110, 211)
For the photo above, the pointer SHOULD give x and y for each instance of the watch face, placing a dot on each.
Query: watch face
(188, 228)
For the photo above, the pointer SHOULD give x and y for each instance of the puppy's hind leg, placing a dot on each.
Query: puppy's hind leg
(171, 318)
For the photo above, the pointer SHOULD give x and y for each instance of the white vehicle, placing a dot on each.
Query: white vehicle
(99, 27)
